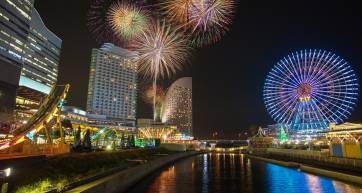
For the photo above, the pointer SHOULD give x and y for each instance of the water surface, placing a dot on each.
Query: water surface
(229, 173)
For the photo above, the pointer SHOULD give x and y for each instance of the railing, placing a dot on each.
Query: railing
(319, 156)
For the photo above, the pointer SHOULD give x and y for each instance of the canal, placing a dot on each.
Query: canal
(229, 173)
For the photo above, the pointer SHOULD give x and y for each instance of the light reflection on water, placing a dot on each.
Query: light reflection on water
(229, 173)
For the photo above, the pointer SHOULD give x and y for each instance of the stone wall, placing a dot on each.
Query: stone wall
(122, 181)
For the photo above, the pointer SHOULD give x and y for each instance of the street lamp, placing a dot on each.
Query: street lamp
(3, 175)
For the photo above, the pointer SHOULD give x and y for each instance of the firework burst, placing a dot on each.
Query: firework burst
(97, 22)
(205, 20)
(162, 51)
(127, 20)
(147, 94)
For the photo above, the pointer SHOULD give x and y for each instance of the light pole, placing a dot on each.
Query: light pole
(3, 175)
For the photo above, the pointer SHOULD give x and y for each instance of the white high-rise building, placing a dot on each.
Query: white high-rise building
(177, 107)
(112, 89)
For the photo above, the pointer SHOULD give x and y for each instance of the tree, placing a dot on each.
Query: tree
(123, 139)
(282, 135)
(77, 140)
(132, 141)
(87, 143)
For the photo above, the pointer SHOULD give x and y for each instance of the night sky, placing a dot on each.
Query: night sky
(228, 76)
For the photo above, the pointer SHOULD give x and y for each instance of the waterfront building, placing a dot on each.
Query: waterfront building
(41, 55)
(260, 142)
(177, 107)
(15, 19)
(345, 140)
(80, 118)
(112, 89)
(74, 114)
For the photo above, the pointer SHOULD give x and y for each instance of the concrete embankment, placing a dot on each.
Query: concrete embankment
(313, 170)
(336, 175)
(282, 163)
(123, 180)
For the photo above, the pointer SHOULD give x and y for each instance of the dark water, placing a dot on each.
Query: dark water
(228, 173)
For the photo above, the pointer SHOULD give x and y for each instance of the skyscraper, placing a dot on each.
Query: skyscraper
(177, 107)
(41, 55)
(15, 18)
(112, 89)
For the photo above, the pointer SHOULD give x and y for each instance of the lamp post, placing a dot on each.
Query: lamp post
(3, 175)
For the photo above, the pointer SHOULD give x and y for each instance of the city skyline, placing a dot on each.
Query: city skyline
(231, 79)
(180, 96)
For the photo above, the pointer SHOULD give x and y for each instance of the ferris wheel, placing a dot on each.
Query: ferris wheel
(309, 89)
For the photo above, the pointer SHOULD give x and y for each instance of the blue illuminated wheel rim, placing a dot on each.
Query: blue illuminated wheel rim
(316, 81)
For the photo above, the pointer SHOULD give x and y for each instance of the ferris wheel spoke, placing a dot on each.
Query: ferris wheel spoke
(279, 99)
(320, 111)
(277, 112)
(330, 112)
(307, 56)
(292, 65)
(332, 82)
(283, 74)
(324, 73)
(270, 79)
(345, 94)
(336, 81)
(292, 74)
(341, 86)
(288, 110)
(310, 67)
(339, 72)
(299, 69)
(333, 104)
(324, 68)
(317, 64)
(338, 99)
(337, 75)
(326, 65)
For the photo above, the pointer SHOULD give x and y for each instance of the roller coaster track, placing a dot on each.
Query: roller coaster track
(48, 111)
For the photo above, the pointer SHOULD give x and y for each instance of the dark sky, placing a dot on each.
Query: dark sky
(228, 76)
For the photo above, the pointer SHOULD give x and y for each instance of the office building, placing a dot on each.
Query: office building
(41, 55)
(15, 19)
(112, 89)
(178, 106)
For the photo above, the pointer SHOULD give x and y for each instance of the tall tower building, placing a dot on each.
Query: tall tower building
(177, 107)
(112, 89)
(15, 18)
(41, 56)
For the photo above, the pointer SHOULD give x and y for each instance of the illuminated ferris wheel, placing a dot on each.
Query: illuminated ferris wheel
(309, 89)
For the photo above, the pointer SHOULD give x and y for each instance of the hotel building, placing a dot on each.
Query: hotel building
(178, 106)
(112, 89)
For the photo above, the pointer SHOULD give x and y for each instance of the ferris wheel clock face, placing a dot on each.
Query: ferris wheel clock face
(310, 88)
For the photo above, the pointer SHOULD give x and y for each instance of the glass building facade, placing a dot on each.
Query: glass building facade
(15, 19)
(112, 89)
(177, 107)
(39, 72)
(41, 57)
